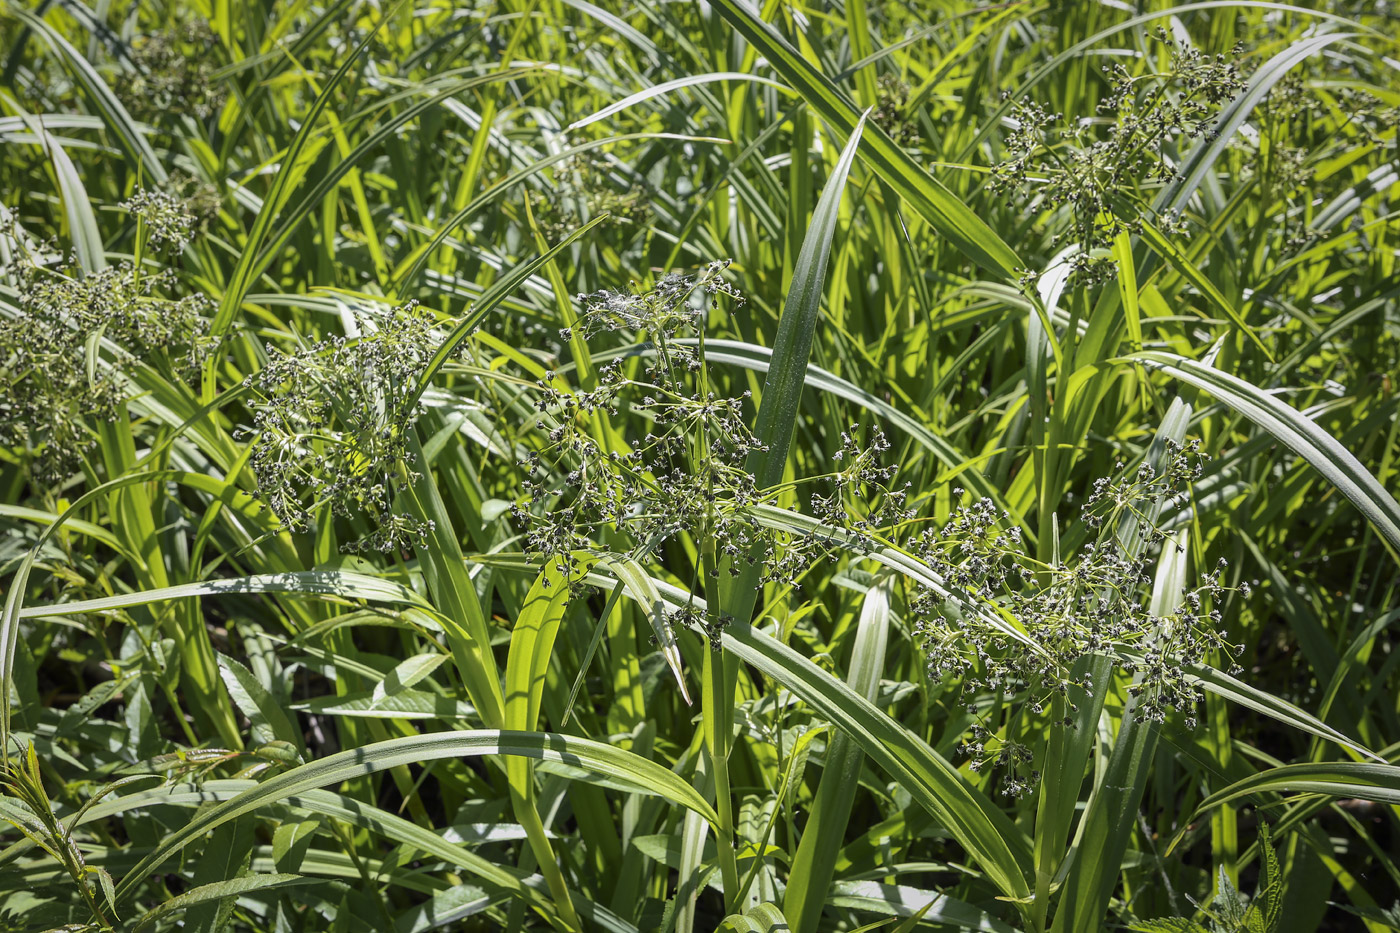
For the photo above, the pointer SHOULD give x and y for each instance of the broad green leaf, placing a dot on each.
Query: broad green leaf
(405, 674)
(290, 842)
(764, 918)
(226, 860)
(268, 721)
(1275, 707)
(531, 647)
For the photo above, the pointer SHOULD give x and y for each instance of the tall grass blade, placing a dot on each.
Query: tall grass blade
(953, 219)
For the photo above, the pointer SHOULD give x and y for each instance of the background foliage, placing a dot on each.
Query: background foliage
(1031, 391)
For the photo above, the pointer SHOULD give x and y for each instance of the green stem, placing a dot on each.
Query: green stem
(719, 714)
(528, 815)
(718, 702)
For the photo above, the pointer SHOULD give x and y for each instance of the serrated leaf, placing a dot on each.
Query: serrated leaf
(224, 860)
(217, 891)
(104, 881)
(268, 721)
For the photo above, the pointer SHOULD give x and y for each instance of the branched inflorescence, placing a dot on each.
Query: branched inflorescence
(1094, 172)
(891, 112)
(584, 189)
(333, 421)
(68, 319)
(987, 751)
(686, 468)
(1095, 603)
(168, 78)
(680, 462)
(169, 220)
(862, 500)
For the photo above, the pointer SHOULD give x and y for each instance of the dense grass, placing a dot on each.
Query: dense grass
(994, 526)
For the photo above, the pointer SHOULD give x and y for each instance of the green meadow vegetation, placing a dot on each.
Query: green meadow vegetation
(585, 465)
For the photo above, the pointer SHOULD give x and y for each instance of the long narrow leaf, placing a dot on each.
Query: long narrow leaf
(1296, 432)
(616, 764)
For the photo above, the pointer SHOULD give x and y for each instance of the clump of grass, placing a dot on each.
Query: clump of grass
(841, 583)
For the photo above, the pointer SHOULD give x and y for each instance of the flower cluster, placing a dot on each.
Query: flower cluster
(1282, 171)
(197, 197)
(169, 221)
(583, 189)
(1093, 173)
(891, 112)
(684, 473)
(987, 751)
(174, 73)
(332, 426)
(1013, 624)
(673, 307)
(861, 500)
(679, 462)
(69, 318)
